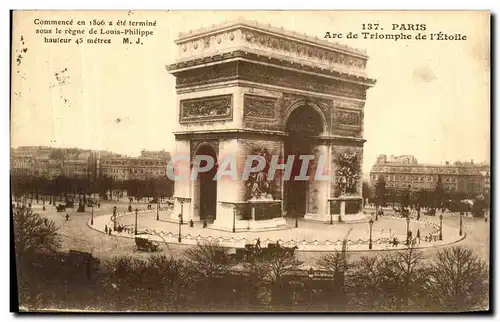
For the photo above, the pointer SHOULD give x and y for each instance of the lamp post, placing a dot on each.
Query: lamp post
(371, 225)
(136, 212)
(234, 219)
(441, 227)
(92, 218)
(296, 217)
(182, 210)
(407, 229)
(179, 239)
(114, 218)
(180, 221)
(460, 232)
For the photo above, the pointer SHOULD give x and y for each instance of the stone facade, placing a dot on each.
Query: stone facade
(238, 86)
(405, 173)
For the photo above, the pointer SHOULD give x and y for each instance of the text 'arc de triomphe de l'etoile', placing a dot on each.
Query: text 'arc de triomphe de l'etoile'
(249, 89)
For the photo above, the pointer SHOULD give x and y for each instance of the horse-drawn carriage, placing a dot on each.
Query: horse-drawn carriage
(60, 208)
(251, 251)
(144, 242)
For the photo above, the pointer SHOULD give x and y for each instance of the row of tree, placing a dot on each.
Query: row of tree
(22, 185)
(438, 197)
(206, 279)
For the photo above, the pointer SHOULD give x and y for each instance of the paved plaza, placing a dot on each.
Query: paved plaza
(312, 236)
(78, 235)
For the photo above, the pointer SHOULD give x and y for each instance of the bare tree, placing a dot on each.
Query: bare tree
(458, 280)
(34, 233)
(165, 279)
(413, 275)
(365, 282)
(269, 271)
(208, 259)
(206, 266)
(336, 263)
(391, 282)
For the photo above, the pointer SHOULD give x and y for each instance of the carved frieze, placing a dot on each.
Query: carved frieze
(279, 77)
(260, 107)
(300, 50)
(214, 108)
(197, 45)
(348, 117)
(207, 75)
(341, 103)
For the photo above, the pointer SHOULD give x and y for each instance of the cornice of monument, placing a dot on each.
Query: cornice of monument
(243, 23)
(291, 63)
(265, 44)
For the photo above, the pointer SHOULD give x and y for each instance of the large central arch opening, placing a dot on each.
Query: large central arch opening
(303, 125)
(206, 189)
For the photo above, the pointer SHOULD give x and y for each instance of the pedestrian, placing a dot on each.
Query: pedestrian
(106, 229)
(67, 217)
(418, 235)
(204, 223)
(191, 223)
(109, 231)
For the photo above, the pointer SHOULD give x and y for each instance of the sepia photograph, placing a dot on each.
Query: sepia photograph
(250, 161)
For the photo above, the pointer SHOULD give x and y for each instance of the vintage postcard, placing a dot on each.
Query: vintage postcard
(251, 161)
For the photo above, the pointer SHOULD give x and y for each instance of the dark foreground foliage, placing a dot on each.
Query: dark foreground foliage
(457, 281)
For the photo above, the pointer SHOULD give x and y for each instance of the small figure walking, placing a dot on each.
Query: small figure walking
(204, 223)
(67, 217)
(191, 223)
(418, 235)
(257, 244)
(106, 229)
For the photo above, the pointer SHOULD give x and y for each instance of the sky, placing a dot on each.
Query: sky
(431, 99)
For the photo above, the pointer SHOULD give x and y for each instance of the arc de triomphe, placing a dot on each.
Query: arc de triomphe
(246, 89)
